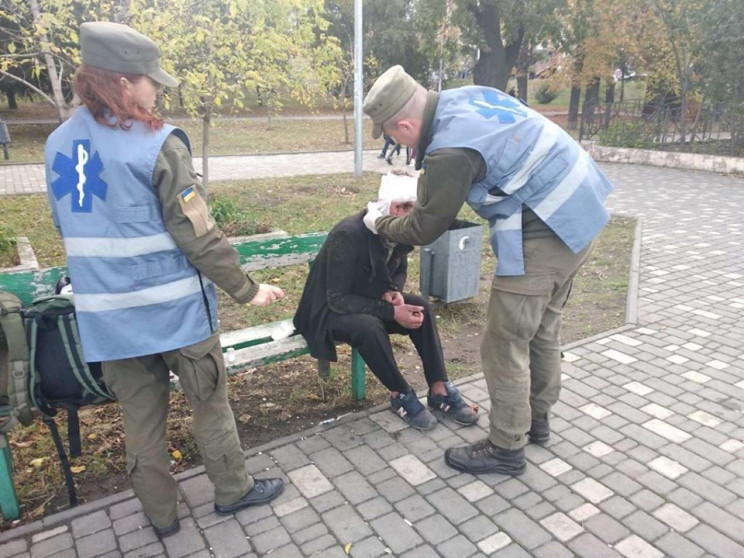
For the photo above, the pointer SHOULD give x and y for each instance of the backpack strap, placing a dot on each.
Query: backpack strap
(69, 481)
(18, 361)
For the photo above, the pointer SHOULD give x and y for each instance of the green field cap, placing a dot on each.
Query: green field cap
(388, 95)
(119, 48)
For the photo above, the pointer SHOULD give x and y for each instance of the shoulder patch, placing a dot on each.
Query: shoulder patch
(188, 194)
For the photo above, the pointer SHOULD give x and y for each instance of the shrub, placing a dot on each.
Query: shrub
(232, 220)
(545, 94)
(627, 133)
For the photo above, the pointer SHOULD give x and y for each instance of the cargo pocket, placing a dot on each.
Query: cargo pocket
(225, 465)
(201, 368)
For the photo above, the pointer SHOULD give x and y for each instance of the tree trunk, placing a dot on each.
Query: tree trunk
(573, 104)
(54, 77)
(206, 120)
(496, 60)
(523, 69)
(12, 103)
(591, 102)
(610, 100)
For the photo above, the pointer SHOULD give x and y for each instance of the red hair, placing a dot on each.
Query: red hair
(100, 91)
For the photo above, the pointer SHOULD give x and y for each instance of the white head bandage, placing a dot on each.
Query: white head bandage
(397, 188)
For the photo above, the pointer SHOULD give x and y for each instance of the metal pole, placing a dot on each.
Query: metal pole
(358, 88)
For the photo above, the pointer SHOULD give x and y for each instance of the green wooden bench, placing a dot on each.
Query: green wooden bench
(244, 348)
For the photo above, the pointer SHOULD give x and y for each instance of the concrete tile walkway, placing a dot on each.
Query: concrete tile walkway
(646, 459)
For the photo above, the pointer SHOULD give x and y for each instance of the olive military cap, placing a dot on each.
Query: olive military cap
(119, 48)
(388, 95)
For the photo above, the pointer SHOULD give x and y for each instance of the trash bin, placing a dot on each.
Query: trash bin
(450, 266)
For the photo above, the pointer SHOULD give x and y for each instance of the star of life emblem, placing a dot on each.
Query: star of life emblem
(505, 108)
(78, 176)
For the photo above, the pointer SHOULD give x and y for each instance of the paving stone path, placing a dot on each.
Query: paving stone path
(646, 458)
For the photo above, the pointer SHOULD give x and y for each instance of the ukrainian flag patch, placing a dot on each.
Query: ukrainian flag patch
(188, 194)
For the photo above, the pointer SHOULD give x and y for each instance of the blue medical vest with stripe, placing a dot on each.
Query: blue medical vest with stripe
(135, 291)
(530, 160)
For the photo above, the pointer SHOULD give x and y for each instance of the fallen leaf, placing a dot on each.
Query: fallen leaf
(347, 549)
(77, 469)
(92, 436)
(38, 462)
(177, 455)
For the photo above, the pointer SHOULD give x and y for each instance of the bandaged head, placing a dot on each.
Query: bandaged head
(397, 187)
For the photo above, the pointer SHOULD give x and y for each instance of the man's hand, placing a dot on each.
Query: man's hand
(375, 210)
(393, 297)
(266, 295)
(409, 316)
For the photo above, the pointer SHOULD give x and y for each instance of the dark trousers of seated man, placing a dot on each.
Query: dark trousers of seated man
(371, 337)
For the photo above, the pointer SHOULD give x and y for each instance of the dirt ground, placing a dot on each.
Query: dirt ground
(288, 397)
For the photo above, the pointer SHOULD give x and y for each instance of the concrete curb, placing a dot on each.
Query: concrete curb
(690, 161)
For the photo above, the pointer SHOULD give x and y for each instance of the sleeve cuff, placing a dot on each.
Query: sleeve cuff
(247, 292)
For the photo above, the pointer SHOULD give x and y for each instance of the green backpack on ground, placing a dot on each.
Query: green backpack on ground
(43, 367)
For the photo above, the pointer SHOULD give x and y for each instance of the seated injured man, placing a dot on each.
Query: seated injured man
(354, 294)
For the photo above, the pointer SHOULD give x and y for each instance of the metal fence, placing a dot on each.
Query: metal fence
(714, 129)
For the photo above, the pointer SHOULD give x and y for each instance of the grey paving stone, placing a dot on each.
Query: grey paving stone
(457, 547)
(478, 528)
(617, 507)
(51, 546)
(393, 451)
(526, 500)
(540, 510)
(621, 484)
(227, 539)
(552, 550)
(522, 529)
(355, 487)
(396, 533)
(424, 551)
(90, 523)
(125, 508)
(331, 462)
(289, 457)
(374, 508)
(452, 506)
(706, 489)
(645, 526)
(714, 542)
(414, 508)
(395, 489)
(253, 514)
(13, 548)
(315, 531)
(672, 544)
(261, 526)
(316, 546)
(366, 461)
(96, 544)
(729, 525)
(606, 528)
(346, 524)
(327, 501)
(300, 519)
(342, 438)
(141, 538)
(589, 546)
(187, 541)
(270, 540)
(130, 523)
(287, 551)
(313, 444)
(153, 549)
(510, 488)
(370, 547)
(435, 529)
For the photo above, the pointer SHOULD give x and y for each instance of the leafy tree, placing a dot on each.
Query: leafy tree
(41, 47)
(222, 49)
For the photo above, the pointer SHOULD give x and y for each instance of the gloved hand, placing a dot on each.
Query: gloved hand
(375, 210)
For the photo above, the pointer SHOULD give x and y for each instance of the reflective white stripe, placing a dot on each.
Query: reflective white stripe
(549, 136)
(513, 223)
(118, 247)
(565, 188)
(153, 295)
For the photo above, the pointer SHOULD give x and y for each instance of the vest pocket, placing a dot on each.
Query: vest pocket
(137, 214)
(159, 268)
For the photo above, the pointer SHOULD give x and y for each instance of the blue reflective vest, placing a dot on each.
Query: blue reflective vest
(529, 160)
(135, 292)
